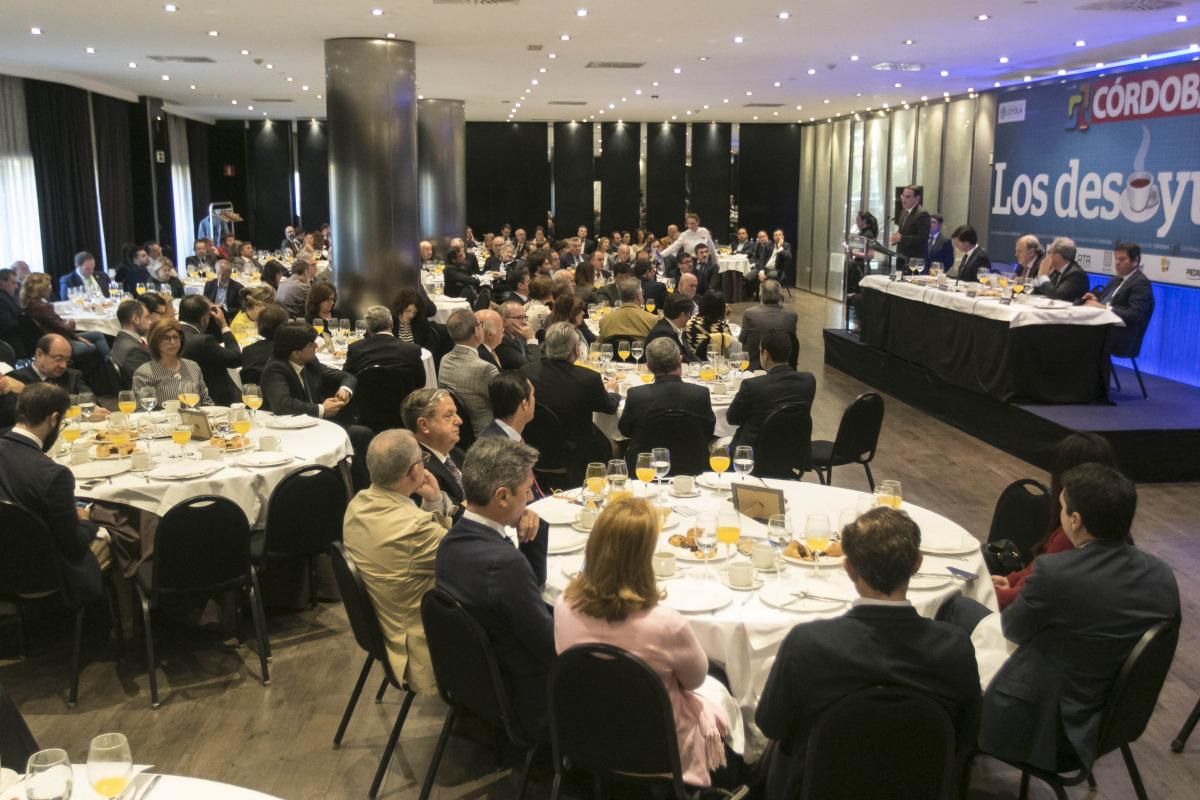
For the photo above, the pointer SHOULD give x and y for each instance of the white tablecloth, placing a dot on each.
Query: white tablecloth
(1035, 310)
(607, 423)
(325, 443)
(734, 263)
(172, 787)
(101, 318)
(447, 306)
(745, 635)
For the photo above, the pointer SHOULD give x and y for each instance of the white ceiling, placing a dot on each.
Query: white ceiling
(476, 50)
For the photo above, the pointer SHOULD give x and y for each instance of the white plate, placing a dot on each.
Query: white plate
(557, 511)
(561, 541)
(100, 469)
(720, 483)
(8, 778)
(683, 554)
(693, 596)
(756, 582)
(929, 581)
(263, 458)
(183, 470)
(962, 548)
(578, 527)
(290, 423)
(673, 493)
(96, 457)
(779, 594)
(826, 561)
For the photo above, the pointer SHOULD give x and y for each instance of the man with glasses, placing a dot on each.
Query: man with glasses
(50, 360)
(519, 345)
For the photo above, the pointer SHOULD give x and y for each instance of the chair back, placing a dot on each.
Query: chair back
(784, 445)
(7, 354)
(28, 334)
(858, 432)
(682, 432)
(359, 608)
(29, 564)
(1135, 692)
(202, 545)
(1128, 343)
(305, 512)
(464, 662)
(16, 740)
(466, 433)
(377, 398)
(1022, 515)
(610, 716)
(881, 742)
(545, 432)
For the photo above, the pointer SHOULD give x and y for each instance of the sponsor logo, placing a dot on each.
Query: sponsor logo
(1193, 274)
(1013, 111)
(1169, 92)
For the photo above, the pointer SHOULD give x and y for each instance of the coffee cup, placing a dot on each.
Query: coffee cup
(171, 406)
(268, 443)
(586, 518)
(664, 564)
(81, 453)
(1139, 187)
(683, 484)
(741, 574)
(719, 388)
(211, 453)
(141, 460)
(762, 555)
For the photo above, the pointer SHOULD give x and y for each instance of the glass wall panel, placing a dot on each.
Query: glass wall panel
(839, 197)
(875, 155)
(857, 134)
(932, 120)
(804, 226)
(956, 172)
(821, 198)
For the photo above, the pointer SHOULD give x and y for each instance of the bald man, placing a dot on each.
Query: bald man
(492, 334)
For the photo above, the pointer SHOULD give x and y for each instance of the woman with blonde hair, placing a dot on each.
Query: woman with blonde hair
(37, 305)
(614, 601)
(254, 300)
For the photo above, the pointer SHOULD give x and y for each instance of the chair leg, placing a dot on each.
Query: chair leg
(358, 687)
(312, 581)
(1188, 726)
(260, 628)
(1024, 793)
(1137, 373)
(151, 664)
(1135, 777)
(21, 629)
(1091, 781)
(386, 759)
(76, 647)
(436, 761)
(870, 477)
(820, 476)
(524, 781)
(556, 787)
(382, 688)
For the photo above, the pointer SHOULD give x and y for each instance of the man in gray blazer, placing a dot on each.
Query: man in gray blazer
(768, 315)
(463, 372)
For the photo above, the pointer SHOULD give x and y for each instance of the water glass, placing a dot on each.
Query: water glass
(743, 460)
(48, 775)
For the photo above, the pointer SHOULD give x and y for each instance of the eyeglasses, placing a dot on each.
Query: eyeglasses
(424, 459)
(522, 317)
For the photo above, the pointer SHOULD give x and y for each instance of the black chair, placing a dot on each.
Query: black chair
(16, 741)
(684, 433)
(466, 433)
(28, 334)
(468, 678)
(367, 633)
(881, 742)
(201, 547)
(304, 516)
(377, 398)
(555, 452)
(1126, 712)
(1022, 515)
(1189, 725)
(610, 716)
(857, 438)
(7, 354)
(783, 448)
(794, 358)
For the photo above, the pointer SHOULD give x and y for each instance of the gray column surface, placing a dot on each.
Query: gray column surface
(442, 170)
(371, 105)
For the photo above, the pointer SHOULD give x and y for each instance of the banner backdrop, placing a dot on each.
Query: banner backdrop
(1104, 160)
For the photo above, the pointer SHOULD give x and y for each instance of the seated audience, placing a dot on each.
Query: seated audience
(89, 346)
(674, 326)
(129, 350)
(630, 320)
(1029, 255)
(499, 584)
(570, 309)
(668, 392)
(412, 326)
(1060, 277)
(463, 372)
(223, 290)
(273, 273)
(615, 601)
(137, 271)
(585, 279)
(168, 279)
(156, 307)
(518, 346)
(49, 365)
(704, 265)
(85, 276)
(246, 260)
(768, 315)
(322, 297)
(245, 324)
(204, 255)
(431, 416)
(540, 297)
(758, 397)
(293, 292)
(941, 248)
(517, 280)
(461, 277)
(256, 355)
(513, 404)
(216, 356)
(379, 348)
(491, 332)
(652, 290)
(687, 287)
(880, 641)
(394, 544)
(10, 309)
(167, 372)
(708, 332)
(1129, 295)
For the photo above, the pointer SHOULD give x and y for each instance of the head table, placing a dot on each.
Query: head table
(745, 632)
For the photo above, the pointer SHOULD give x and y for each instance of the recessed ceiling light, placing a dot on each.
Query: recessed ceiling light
(812, 71)
(924, 98)
(859, 94)
(391, 35)
(775, 113)
(945, 73)
(673, 117)
(654, 84)
(637, 91)
(756, 118)
(36, 31)
(706, 107)
(996, 84)
(245, 52)
(854, 58)
(166, 77)
(1181, 18)
(825, 101)
(290, 79)
(738, 39)
(812, 119)
(945, 94)
(552, 55)
(798, 108)
(1099, 65)
(533, 82)
(1003, 59)
(897, 85)
(133, 65)
(970, 89)
(783, 15)
(581, 12)
(377, 12)
(908, 41)
(1080, 43)
(516, 105)
(624, 99)
(885, 105)
(270, 66)
(264, 113)
(170, 7)
(214, 33)
(542, 70)
(777, 84)
(192, 87)
(566, 37)
(91, 51)
(983, 17)
(749, 93)
(689, 112)
(677, 70)
(1062, 72)
(612, 105)
(304, 88)
(233, 102)
(249, 108)
(318, 97)
(1028, 78)
(704, 58)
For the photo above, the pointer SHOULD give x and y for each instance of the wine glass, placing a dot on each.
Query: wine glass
(847, 516)
(650, 306)
(318, 325)
(344, 327)
(594, 353)
(644, 468)
(936, 269)
(181, 435)
(816, 538)
(127, 402)
(252, 397)
(189, 394)
(239, 421)
(606, 354)
(69, 434)
(982, 275)
(729, 530)
(779, 534)
(48, 775)
(670, 285)
(892, 490)
(73, 410)
(148, 398)
(661, 461)
(743, 460)
(618, 478)
(718, 458)
(87, 404)
(109, 764)
(915, 265)
(706, 540)
(623, 349)
(636, 348)
(595, 481)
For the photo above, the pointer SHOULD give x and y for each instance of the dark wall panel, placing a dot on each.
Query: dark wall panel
(666, 181)
(141, 177)
(197, 133)
(160, 140)
(769, 178)
(620, 193)
(508, 175)
(114, 157)
(710, 181)
(573, 176)
(229, 176)
(312, 143)
(270, 179)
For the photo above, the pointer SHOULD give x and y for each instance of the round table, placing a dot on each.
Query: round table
(91, 317)
(733, 262)
(607, 423)
(175, 787)
(745, 635)
(447, 306)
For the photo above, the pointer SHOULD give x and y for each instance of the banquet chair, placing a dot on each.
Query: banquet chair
(304, 515)
(555, 452)
(881, 742)
(468, 678)
(610, 716)
(1129, 345)
(1022, 515)
(201, 547)
(7, 354)
(466, 432)
(1178, 743)
(369, 636)
(378, 396)
(856, 440)
(1126, 712)
(682, 432)
(783, 448)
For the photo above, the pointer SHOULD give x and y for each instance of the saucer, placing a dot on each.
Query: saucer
(681, 495)
(755, 584)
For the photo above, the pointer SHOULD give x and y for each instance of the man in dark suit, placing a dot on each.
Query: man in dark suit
(137, 272)
(513, 404)
(743, 245)
(652, 290)
(676, 313)
(1129, 296)
(30, 478)
(758, 397)
(1060, 276)
(10, 310)
(290, 241)
(49, 365)
(85, 276)
(586, 243)
(704, 264)
(880, 641)
(768, 315)
(941, 249)
(491, 333)
(461, 279)
(129, 350)
(223, 290)
(497, 574)
(215, 355)
(381, 349)
(1029, 255)
(518, 346)
(912, 237)
(432, 417)
(204, 255)
(667, 392)
(974, 257)
(257, 354)
(1078, 616)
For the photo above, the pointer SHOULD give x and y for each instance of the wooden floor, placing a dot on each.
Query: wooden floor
(218, 722)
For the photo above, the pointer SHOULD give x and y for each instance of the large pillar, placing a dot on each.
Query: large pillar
(371, 105)
(442, 170)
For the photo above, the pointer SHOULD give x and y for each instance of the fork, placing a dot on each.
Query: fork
(803, 595)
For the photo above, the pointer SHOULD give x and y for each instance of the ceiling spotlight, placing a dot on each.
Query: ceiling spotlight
(624, 99)
(304, 88)
(784, 15)
(1062, 72)
(854, 58)
(1080, 43)
(655, 83)
(673, 117)
(996, 84)
(825, 101)
(245, 52)
(542, 70)
(318, 97)
(688, 112)
(612, 105)
(738, 39)
(983, 17)
(91, 51)
(170, 7)
(533, 82)
(897, 85)
(1028, 78)
(798, 108)
(924, 98)
(213, 33)
(704, 58)
(377, 12)
(1181, 18)
(270, 66)
(749, 93)
(133, 65)
(192, 87)
(249, 108)
(516, 105)
(566, 37)
(233, 102)
(970, 90)
(36, 31)
(908, 41)
(264, 113)
(885, 105)
(581, 12)
(775, 113)
(166, 77)
(812, 71)
(725, 100)
(945, 73)
(1003, 59)
(1099, 65)
(290, 79)
(637, 91)
(706, 107)
(756, 118)
(777, 84)
(677, 70)
(552, 55)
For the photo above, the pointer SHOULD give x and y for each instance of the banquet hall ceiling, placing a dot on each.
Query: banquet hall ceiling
(819, 55)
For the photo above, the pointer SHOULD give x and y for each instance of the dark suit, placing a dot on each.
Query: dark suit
(129, 353)
(573, 393)
(283, 392)
(666, 393)
(233, 295)
(134, 276)
(759, 319)
(73, 280)
(706, 272)
(653, 291)
(10, 315)
(1078, 616)
(446, 481)
(514, 352)
(978, 259)
(492, 429)
(941, 250)
(914, 232)
(294, 245)
(71, 381)
(459, 277)
(745, 248)
(488, 356)
(254, 358)
(665, 330)
(498, 584)
(385, 350)
(30, 478)
(1070, 284)
(215, 357)
(758, 397)
(821, 662)
(1133, 301)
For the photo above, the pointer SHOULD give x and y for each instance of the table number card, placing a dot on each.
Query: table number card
(759, 503)
(198, 421)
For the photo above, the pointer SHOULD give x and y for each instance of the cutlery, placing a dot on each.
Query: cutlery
(802, 595)
(943, 555)
(149, 787)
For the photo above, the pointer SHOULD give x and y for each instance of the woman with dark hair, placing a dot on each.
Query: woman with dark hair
(585, 281)
(166, 373)
(570, 309)
(37, 305)
(867, 225)
(273, 272)
(708, 332)
(411, 325)
(1077, 448)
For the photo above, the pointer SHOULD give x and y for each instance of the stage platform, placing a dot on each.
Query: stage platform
(1156, 440)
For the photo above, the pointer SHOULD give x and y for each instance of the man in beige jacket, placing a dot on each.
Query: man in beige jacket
(394, 543)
